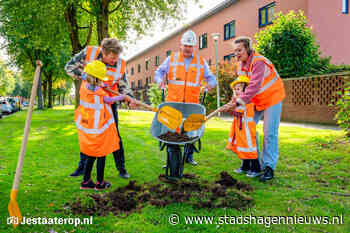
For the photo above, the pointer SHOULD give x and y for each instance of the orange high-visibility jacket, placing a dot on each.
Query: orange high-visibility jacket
(97, 132)
(242, 138)
(114, 74)
(184, 86)
(272, 90)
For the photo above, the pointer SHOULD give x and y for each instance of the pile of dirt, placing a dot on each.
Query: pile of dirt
(225, 192)
(176, 137)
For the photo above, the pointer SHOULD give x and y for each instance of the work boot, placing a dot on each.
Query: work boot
(268, 174)
(123, 173)
(87, 185)
(80, 170)
(103, 185)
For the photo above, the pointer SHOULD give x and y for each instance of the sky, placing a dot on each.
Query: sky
(194, 10)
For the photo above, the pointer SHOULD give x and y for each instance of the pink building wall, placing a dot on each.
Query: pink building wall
(332, 29)
(325, 17)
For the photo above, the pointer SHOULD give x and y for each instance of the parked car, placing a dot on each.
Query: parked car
(25, 104)
(13, 104)
(5, 107)
(0, 114)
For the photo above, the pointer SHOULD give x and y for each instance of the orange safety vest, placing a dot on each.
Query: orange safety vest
(272, 90)
(242, 138)
(114, 74)
(184, 86)
(97, 132)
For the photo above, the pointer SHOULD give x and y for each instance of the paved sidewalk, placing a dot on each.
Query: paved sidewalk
(303, 125)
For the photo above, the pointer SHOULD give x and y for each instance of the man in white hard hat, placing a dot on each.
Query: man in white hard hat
(186, 73)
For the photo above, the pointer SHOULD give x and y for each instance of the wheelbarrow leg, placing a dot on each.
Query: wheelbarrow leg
(174, 162)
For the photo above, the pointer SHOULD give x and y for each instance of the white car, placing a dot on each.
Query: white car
(5, 107)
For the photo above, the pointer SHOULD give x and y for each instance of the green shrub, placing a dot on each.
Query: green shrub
(343, 114)
(155, 94)
(290, 44)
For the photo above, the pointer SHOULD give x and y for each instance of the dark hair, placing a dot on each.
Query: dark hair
(111, 45)
(246, 41)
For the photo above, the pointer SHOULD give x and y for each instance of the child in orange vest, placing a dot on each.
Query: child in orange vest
(97, 132)
(242, 139)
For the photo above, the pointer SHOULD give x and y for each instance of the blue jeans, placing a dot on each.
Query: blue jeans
(272, 117)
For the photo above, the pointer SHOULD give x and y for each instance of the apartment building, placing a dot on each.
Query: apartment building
(329, 19)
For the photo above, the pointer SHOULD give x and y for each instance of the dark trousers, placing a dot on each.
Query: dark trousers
(100, 167)
(189, 156)
(251, 165)
(118, 155)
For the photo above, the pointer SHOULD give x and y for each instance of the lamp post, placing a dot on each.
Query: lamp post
(216, 37)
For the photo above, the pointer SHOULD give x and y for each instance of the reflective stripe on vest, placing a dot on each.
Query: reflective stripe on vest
(188, 83)
(97, 106)
(92, 53)
(246, 119)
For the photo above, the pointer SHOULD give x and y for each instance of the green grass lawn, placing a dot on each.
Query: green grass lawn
(312, 173)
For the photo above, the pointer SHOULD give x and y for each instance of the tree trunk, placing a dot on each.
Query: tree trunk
(102, 20)
(63, 98)
(70, 14)
(45, 92)
(49, 79)
(40, 94)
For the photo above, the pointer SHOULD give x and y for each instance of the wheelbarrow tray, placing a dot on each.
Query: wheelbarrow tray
(186, 109)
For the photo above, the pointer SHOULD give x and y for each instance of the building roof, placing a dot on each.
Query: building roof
(204, 16)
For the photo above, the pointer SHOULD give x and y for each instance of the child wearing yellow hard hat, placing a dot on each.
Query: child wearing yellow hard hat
(97, 131)
(242, 138)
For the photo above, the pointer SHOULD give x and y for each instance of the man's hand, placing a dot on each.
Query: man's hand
(132, 102)
(162, 85)
(207, 87)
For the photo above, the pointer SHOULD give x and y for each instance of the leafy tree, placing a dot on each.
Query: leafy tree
(155, 94)
(7, 80)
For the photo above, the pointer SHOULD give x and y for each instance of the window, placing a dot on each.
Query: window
(168, 53)
(266, 14)
(345, 7)
(139, 68)
(157, 61)
(209, 62)
(229, 57)
(203, 41)
(139, 83)
(147, 80)
(147, 64)
(133, 85)
(229, 30)
(132, 70)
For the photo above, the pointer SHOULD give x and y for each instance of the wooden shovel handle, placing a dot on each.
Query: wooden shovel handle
(213, 114)
(27, 127)
(137, 102)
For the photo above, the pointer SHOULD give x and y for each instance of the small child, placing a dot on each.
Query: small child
(97, 131)
(242, 139)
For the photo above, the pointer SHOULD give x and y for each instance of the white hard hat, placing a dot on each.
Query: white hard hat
(189, 38)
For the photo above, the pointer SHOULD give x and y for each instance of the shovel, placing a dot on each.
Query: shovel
(14, 211)
(195, 121)
(168, 116)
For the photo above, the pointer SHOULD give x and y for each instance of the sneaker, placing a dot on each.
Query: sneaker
(268, 174)
(87, 185)
(254, 174)
(240, 171)
(103, 185)
(77, 172)
(194, 163)
(124, 174)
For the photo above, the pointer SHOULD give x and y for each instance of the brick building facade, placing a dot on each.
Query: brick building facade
(233, 18)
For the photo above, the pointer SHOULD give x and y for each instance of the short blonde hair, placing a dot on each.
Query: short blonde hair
(247, 42)
(111, 45)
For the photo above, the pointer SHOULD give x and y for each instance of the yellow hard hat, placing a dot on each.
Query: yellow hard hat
(240, 79)
(97, 69)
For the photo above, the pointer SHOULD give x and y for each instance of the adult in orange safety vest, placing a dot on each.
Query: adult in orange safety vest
(186, 72)
(266, 91)
(108, 53)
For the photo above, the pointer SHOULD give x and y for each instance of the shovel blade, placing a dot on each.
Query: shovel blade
(194, 122)
(170, 117)
(14, 211)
